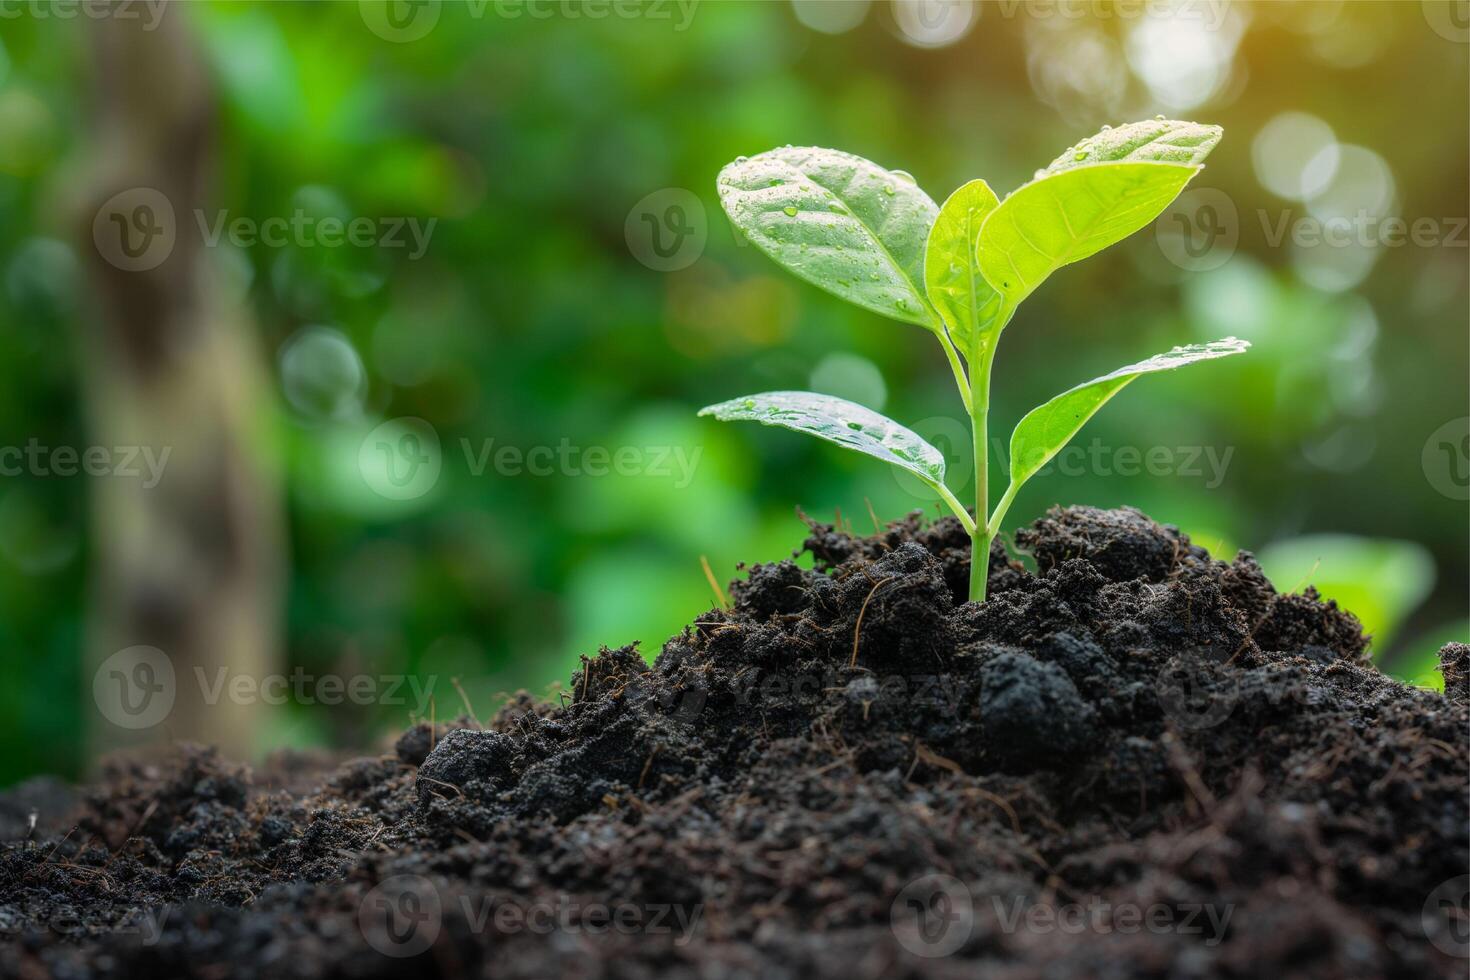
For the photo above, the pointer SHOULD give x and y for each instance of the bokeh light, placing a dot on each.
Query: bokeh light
(852, 377)
(934, 23)
(1295, 155)
(1184, 60)
(830, 16)
(322, 375)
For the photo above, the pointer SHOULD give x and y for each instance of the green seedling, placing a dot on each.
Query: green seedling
(872, 237)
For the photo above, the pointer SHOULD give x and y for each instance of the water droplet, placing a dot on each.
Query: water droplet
(1080, 156)
(855, 426)
(789, 211)
(1106, 127)
(1160, 117)
(888, 190)
(741, 159)
(904, 176)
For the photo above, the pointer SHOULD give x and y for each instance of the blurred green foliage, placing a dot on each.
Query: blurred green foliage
(529, 320)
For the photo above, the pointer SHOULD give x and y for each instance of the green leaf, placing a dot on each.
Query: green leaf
(1149, 141)
(1046, 429)
(1064, 217)
(839, 222)
(839, 421)
(968, 304)
(1095, 194)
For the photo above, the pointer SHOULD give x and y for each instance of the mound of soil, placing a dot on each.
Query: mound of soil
(1137, 761)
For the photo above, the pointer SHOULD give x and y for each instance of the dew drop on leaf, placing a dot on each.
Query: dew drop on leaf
(1080, 156)
(904, 176)
(789, 211)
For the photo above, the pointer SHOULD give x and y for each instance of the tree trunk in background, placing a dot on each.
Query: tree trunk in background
(191, 566)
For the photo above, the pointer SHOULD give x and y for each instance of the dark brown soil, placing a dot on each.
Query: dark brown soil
(1137, 762)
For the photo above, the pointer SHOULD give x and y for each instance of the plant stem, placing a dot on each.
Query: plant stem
(956, 507)
(982, 355)
(979, 422)
(960, 380)
(993, 525)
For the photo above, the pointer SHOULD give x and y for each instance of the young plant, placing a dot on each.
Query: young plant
(872, 237)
